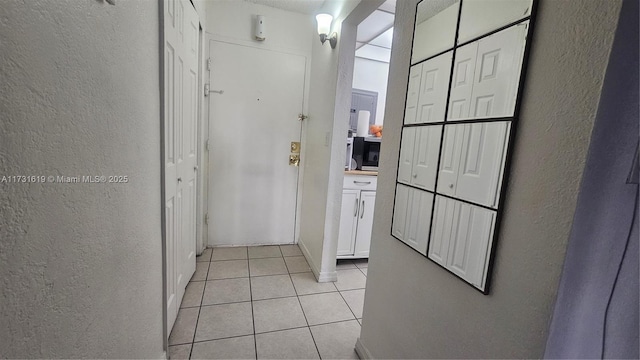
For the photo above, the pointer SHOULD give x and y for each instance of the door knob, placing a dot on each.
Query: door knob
(179, 179)
(294, 160)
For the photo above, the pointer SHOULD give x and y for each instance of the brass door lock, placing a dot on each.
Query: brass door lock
(295, 147)
(294, 160)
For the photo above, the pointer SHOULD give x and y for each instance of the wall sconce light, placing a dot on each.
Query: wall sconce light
(324, 27)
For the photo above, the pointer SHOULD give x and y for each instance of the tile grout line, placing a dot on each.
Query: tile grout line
(304, 314)
(267, 332)
(253, 321)
(195, 329)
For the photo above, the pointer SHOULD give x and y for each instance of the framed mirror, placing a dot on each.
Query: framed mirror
(465, 80)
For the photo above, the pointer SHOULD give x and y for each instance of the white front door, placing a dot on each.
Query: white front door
(181, 32)
(252, 122)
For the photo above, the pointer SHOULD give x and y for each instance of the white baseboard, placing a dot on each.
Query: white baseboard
(321, 276)
(362, 351)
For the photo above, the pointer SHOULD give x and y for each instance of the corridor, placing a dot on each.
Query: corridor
(263, 302)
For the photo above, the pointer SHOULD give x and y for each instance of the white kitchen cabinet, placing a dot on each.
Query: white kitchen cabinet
(412, 217)
(461, 239)
(486, 75)
(419, 156)
(348, 222)
(356, 217)
(472, 161)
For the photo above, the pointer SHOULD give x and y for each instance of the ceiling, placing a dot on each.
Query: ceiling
(310, 7)
(375, 33)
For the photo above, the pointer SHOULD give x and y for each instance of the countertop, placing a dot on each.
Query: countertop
(361, 172)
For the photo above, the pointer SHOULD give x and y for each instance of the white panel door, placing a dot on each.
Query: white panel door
(481, 162)
(461, 239)
(405, 167)
(253, 189)
(498, 65)
(181, 32)
(365, 223)
(418, 220)
(470, 239)
(443, 220)
(413, 92)
(425, 156)
(462, 82)
(400, 211)
(348, 222)
(434, 84)
(450, 159)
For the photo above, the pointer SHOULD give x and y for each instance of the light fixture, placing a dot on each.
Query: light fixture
(324, 27)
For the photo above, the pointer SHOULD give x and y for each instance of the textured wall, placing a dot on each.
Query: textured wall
(415, 309)
(602, 255)
(80, 264)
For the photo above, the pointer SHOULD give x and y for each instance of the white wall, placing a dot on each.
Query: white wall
(415, 309)
(80, 264)
(372, 75)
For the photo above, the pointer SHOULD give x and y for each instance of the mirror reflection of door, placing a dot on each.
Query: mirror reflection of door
(362, 100)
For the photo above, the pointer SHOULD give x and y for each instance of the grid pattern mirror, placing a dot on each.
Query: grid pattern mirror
(462, 103)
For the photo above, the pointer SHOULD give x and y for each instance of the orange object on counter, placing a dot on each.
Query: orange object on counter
(376, 130)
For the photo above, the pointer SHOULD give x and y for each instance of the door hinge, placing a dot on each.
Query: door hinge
(206, 218)
(209, 64)
(207, 145)
(302, 117)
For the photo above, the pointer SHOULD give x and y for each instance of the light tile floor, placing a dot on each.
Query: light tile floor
(263, 302)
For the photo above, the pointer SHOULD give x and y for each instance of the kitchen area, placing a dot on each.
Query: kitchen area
(364, 137)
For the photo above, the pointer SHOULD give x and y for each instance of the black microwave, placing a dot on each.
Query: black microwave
(366, 152)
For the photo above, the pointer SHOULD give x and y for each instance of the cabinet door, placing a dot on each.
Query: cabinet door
(418, 220)
(365, 223)
(348, 222)
(434, 83)
(400, 211)
(425, 156)
(462, 82)
(481, 162)
(405, 165)
(450, 159)
(413, 91)
(498, 64)
(461, 239)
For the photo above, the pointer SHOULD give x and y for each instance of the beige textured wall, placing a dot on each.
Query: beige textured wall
(80, 264)
(415, 309)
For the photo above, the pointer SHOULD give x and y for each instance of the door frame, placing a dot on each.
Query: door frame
(208, 37)
(199, 154)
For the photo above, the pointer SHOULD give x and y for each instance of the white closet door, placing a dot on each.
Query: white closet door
(481, 162)
(498, 64)
(462, 87)
(425, 156)
(469, 242)
(434, 84)
(418, 220)
(444, 218)
(406, 155)
(400, 211)
(450, 159)
(413, 92)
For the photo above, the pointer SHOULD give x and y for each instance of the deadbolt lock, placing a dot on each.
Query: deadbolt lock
(295, 147)
(294, 160)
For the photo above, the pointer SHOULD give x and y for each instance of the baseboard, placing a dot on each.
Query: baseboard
(327, 276)
(362, 351)
(314, 268)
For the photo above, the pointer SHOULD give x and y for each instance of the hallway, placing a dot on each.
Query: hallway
(264, 302)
